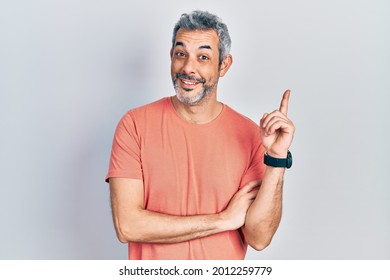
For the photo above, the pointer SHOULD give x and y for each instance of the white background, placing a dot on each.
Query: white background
(70, 69)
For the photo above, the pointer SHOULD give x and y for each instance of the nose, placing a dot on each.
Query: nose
(189, 66)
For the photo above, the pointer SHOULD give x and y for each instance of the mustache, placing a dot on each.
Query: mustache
(190, 78)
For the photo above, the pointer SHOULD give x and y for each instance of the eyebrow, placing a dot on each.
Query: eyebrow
(201, 47)
(205, 47)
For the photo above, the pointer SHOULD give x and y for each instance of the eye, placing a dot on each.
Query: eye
(179, 54)
(204, 57)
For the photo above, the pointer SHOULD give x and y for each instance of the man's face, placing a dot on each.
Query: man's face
(195, 65)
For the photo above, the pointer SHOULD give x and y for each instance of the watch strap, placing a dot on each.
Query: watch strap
(278, 162)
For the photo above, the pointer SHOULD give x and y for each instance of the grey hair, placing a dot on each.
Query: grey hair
(202, 20)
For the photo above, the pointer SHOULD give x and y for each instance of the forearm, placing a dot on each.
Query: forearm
(133, 223)
(153, 227)
(264, 214)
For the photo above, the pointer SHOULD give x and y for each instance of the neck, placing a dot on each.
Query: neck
(202, 113)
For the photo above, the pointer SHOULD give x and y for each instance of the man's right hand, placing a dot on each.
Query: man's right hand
(235, 213)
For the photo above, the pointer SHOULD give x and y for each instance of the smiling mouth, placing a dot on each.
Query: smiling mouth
(187, 82)
(188, 85)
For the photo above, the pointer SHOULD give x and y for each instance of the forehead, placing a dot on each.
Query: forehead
(197, 38)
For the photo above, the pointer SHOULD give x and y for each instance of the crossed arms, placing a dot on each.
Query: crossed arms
(257, 211)
(256, 208)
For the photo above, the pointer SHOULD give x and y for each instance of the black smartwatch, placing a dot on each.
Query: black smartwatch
(278, 162)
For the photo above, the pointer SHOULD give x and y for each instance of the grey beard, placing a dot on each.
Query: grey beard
(193, 100)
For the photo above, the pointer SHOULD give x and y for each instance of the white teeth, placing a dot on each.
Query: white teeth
(188, 83)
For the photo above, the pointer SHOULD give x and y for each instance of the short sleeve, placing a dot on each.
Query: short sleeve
(125, 159)
(256, 167)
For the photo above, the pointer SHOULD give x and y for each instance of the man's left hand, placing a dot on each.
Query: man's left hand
(277, 130)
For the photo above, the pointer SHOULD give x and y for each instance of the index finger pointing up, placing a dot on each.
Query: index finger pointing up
(284, 104)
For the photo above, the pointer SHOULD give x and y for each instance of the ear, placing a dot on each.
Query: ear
(225, 65)
(171, 53)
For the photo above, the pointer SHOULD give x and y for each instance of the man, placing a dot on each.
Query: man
(187, 178)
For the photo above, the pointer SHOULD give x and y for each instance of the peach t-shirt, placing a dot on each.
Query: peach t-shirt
(187, 169)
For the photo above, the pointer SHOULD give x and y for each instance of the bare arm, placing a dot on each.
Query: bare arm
(264, 214)
(135, 224)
